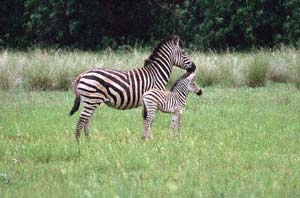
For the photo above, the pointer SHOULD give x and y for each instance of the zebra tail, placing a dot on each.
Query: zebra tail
(77, 96)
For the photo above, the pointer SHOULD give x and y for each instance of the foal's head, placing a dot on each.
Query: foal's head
(186, 83)
(193, 86)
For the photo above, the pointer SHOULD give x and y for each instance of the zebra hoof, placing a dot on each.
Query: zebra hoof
(88, 139)
(78, 140)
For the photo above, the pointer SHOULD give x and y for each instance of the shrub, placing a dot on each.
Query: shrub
(5, 80)
(208, 75)
(296, 72)
(257, 70)
(38, 78)
(278, 71)
(297, 81)
(208, 68)
(11, 69)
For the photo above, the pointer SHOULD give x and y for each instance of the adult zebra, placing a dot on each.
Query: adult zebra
(124, 89)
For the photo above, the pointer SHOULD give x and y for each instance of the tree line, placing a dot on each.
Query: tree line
(99, 24)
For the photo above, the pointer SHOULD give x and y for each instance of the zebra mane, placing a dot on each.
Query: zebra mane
(184, 76)
(170, 38)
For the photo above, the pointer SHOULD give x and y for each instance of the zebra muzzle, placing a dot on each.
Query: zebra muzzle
(199, 93)
(192, 68)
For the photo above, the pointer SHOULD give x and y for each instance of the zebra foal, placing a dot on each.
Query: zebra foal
(124, 89)
(172, 101)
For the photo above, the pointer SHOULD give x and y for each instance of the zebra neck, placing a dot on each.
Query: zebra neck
(161, 73)
(160, 64)
(163, 55)
(182, 91)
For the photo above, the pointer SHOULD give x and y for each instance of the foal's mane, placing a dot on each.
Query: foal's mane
(170, 38)
(184, 76)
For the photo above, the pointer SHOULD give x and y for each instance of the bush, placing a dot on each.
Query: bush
(38, 77)
(208, 76)
(278, 71)
(11, 69)
(296, 71)
(257, 70)
(297, 81)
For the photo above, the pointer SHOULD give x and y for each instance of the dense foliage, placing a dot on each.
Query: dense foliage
(203, 24)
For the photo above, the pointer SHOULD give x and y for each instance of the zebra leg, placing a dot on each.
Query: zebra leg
(87, 126)
(80, 123)
(179, 125)
(149, 114)
(85, 120)
(87, 130)
(146, 130)
(173, 124)
(88, 112)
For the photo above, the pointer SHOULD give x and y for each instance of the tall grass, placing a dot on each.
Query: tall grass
(252, 69)
(257, 69)
(55, 69)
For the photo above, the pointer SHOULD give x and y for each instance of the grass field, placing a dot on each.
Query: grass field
(236, 143)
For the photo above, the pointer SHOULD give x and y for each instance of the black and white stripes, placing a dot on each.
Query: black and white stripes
(124, 89)
(172, 101)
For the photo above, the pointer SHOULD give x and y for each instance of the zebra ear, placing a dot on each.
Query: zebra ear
(191, 76)
(177, 41)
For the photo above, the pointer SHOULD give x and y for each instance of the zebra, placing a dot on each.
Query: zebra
(124, 89)
(172, 101)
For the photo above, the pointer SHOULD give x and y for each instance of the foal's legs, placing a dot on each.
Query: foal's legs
(176, 121)
(147, 129)
(179, 125)
(173, 124)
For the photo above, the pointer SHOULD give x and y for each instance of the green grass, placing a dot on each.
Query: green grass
(236, 143)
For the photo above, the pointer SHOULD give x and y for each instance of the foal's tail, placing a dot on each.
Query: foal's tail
(77, 96)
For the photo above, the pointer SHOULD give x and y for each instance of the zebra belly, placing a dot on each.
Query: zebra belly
(120, 98)
(166, 109)
(169, 105)
(121, 107)
(170, 110)
(119, 90)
